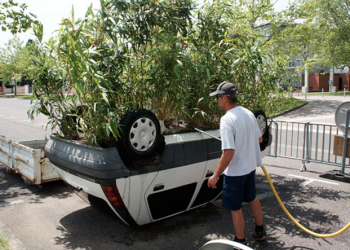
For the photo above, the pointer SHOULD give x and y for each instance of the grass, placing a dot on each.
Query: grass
(288, 104)
(339, 93)
(329, 94)
(17, 96)
(4, 242)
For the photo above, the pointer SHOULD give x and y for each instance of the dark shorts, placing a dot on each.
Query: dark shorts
(238, 189)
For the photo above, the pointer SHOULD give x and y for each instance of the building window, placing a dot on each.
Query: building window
(293, 64)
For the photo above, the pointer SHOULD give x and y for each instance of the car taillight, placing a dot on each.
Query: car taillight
(113, 195)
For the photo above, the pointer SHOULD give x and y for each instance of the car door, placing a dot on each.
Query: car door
(179, 178)
(206, 194)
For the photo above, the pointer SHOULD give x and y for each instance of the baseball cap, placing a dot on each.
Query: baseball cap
(225, 88)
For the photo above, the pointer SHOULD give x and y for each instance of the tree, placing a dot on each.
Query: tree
(16, 59)
(316, 29)
(14, 17)
(331, 41)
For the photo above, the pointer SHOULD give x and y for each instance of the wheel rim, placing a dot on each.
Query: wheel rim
(142, 134)
(261, 123)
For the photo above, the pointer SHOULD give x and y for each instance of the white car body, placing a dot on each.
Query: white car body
(176, 185)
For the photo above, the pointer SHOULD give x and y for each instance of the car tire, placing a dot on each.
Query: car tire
(262, 124)
(140, 133)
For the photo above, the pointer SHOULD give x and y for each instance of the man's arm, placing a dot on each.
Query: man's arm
(225, 159)
(260, 139)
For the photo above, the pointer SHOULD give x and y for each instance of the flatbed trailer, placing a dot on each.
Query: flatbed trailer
(27, 158)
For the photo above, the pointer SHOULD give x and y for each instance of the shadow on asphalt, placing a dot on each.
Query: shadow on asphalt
(13, 186)
(96, 226)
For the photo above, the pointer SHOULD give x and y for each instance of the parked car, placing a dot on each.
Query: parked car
(173, 181)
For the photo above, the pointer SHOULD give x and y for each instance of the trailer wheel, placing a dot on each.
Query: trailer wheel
(140, 133)
(262, 124)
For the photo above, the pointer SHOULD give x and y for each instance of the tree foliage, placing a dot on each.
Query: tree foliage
(331, 39)
(165, 56)
(16, 60)
(14, 17)
(316, 29)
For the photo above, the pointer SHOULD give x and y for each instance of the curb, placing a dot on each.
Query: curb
(288, 111)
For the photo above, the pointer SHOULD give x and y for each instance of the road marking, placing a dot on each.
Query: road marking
(310, 180)
(24, 121)
(293, 127)
(16, 202)
(42, 124)
(11, 203)
(307, 182)
(265, 195)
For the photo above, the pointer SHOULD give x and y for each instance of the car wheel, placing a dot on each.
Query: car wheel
(262, 124)
(141, 133)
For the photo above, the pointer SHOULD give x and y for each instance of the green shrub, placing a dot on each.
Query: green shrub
(164, 56)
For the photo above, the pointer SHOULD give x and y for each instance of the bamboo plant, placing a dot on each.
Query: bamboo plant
(165, 56)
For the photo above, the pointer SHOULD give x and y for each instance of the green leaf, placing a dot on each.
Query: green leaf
(114, 127)
(208, 74)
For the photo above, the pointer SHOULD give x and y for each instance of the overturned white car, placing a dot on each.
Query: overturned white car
(175, 182)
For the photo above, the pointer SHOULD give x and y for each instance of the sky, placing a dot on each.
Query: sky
(50, 13)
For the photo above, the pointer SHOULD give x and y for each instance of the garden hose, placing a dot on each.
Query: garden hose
(291, 217)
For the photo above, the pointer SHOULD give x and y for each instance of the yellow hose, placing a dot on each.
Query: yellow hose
(291, 217)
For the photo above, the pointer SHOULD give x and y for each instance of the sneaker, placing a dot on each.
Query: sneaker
(260, 235)
(243, 242)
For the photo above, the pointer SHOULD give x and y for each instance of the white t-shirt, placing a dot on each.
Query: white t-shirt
(239, 131)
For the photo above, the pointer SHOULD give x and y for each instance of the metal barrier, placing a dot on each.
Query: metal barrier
(308, 142)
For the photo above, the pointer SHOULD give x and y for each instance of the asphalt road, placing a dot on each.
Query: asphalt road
(15, 123)
(50, 216)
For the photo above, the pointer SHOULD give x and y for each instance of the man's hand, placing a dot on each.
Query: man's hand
(212, 182)
(225, 159)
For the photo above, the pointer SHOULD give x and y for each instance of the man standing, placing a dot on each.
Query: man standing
(240, 137)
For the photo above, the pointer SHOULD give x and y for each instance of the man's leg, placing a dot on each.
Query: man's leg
(232, 198)
(255, 208)
(238, 223)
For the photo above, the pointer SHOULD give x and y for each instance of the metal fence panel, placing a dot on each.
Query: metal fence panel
(308, 142)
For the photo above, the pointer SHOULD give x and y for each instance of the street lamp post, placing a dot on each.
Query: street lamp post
(331, 76)
(14, 83)
(306, 82)
(307, 61)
